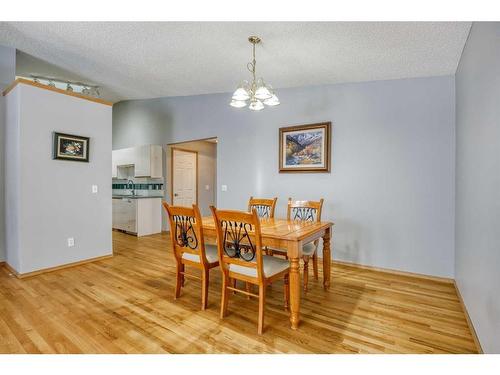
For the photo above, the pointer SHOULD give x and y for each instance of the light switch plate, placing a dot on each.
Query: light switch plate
(71, 242)
(94, 189)
(207, 187)
(224, 187)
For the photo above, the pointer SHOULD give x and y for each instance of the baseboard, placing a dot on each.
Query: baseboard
(469, 321)
(52, 269)
(396, 272)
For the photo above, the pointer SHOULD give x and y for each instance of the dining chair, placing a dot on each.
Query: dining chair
(238, 245)
(304, 211)
(186, 233)
(264, 206)
(265, 209)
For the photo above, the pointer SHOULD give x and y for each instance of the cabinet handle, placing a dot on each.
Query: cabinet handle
(176, 195)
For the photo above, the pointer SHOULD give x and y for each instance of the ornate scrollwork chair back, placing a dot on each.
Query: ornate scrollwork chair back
(264, 207)
(304, 210)
(238, 238)
(186, 231)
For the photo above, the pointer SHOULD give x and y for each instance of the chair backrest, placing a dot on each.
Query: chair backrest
(186, 231)
(304, 210)
(264, 207)
(238, 239)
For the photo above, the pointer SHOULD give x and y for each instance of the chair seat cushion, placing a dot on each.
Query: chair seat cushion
(271, 266)
(309, 248)
(210, 251)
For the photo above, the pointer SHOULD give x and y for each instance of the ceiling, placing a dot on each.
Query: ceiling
(138, 60)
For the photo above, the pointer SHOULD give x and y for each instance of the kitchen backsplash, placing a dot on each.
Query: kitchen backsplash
(142, 187)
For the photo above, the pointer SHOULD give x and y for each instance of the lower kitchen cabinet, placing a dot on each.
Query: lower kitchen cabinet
(140, 216)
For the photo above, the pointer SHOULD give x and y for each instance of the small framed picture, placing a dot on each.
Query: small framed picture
(305, 148)
(70, 147)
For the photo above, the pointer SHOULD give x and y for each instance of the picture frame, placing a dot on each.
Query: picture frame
(305, 148)
(70, 147)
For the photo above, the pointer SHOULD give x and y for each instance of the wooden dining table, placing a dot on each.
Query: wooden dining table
(289, 235)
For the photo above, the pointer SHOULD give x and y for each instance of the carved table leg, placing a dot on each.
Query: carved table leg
(294, 292)
(326, 259)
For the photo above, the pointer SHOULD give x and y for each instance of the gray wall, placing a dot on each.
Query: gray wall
(391, 189)
(7, 75)
(478, 181)
(51, 200)
(207, 169)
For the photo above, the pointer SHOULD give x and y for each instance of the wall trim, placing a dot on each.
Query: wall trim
(469, 320)
(446, 280)
(54, 89)
(56, 268)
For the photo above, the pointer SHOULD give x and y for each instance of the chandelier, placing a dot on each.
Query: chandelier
(256, 93)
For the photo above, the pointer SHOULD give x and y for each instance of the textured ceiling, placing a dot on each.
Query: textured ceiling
(133, 60)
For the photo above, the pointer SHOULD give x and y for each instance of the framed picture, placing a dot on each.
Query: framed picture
(305, 148)
(70, 147)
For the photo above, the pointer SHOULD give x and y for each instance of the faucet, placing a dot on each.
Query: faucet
(131, 186)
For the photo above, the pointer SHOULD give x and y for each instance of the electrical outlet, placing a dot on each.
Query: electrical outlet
(224, 187)
(207, 187)
(71, 242)
(94, 189)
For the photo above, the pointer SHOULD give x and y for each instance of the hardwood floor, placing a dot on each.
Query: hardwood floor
(125, 305)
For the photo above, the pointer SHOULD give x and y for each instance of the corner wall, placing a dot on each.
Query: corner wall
(7, 75)
(478, 181)
(390, 192)
(51, 200)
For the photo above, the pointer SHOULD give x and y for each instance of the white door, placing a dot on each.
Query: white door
(184, 178)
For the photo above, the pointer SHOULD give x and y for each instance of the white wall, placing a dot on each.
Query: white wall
(391, 189)
(7, 75)
(51, 200)
(478, 181)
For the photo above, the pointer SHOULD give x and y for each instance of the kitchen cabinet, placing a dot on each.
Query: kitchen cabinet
(140, 216)
(125, 214)
(147, 161)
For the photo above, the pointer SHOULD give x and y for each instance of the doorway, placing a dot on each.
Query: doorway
(184, 191)
(192, 173)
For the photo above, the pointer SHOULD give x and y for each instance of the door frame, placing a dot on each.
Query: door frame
(172, 149)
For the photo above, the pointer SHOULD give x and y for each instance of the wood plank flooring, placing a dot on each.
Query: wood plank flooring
(125, 305)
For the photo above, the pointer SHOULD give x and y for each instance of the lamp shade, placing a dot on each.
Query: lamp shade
(238, 103)
(262, 92)
(256, 105)
(272, 101)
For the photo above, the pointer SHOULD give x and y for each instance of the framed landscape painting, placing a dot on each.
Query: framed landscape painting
(70, 147)
(305, 148)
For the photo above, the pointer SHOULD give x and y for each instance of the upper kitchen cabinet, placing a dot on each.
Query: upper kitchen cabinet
(146, 160)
